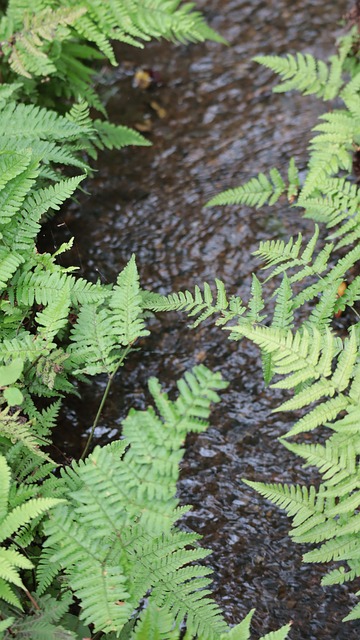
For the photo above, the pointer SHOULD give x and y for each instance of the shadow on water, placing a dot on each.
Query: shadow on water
(214, 123)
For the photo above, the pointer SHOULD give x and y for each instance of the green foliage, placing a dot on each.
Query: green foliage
(325, 194)
(102, 534)
(254, 193)
(50, 45)
(56, 327)
(115, 537)
(299, 341)
(112, 545)
(12, 518)
(200, 303)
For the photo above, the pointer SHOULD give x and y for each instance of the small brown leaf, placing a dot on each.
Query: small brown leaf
(142, 79)
(159, 110)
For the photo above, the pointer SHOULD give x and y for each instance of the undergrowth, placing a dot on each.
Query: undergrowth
(94, 549)
(302, 348)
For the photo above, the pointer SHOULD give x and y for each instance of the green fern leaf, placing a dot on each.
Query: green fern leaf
(10, 261)
(333, 462)
(254, 193)
(10, 523)
(112, 136)
(13, 426)
(240, 631)
(324, 413)
(23, 514)
(8, 595)
(282, 320)
(280, 634)
(26, 223)
(55, 316)
(125, 303)
(340, 576)
(20, 177)
(200, 303)
(298, 501)
(155, 624)
(338, 272)
(256, 303)
(305, 74)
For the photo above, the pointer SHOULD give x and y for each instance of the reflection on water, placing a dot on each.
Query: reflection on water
(214, 123)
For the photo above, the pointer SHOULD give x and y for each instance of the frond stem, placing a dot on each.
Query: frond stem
(103, 400)
(32, 600)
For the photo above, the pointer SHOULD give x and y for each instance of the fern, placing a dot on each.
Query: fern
(254, 193)
(13, 427)
(10, 523)
(32, 37)
(46, 621)
(200, 303)
(308, 75)
(139, 551)
(103, 330)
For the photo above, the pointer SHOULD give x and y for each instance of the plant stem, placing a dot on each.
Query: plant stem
(103, 400)
(32, 600)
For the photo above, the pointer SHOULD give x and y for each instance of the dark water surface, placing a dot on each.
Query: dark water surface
(214, 124)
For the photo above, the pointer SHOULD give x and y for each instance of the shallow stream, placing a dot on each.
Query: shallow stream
(214, 123)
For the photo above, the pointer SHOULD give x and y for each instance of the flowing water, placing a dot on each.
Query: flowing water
(214, 123)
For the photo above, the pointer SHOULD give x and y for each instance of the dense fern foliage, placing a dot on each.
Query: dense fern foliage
(48, 51)
(300, 342)
(93, 549)
(96, 548)
(50, 46)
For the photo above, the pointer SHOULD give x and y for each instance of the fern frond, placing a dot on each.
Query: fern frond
(19, 173)
(336, 274)
(282, 319)
(350, 295)
(42, 286)
(339, 128)
(25, 513)
(299, 502)
(254, 193)
(111, 136)
(125, 304)
(128, 490)
(9, 263)
(287, 256)
(55, 315)
(324, 311)
(342, 548)
(339, 202)
(340, 575)
(27, 55)
(29, 122)
(46, 622)
(103, 328)
(325, 412)
(154, 454)
(154, 624)
(26, 223)
(93, 345)
(256, 302)
(280, 634)
(105, 584)
(10, 522)
(334, 463)
(325, 163)
(305, 355)
(305, 74)
(199, 303)
(13, 426)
